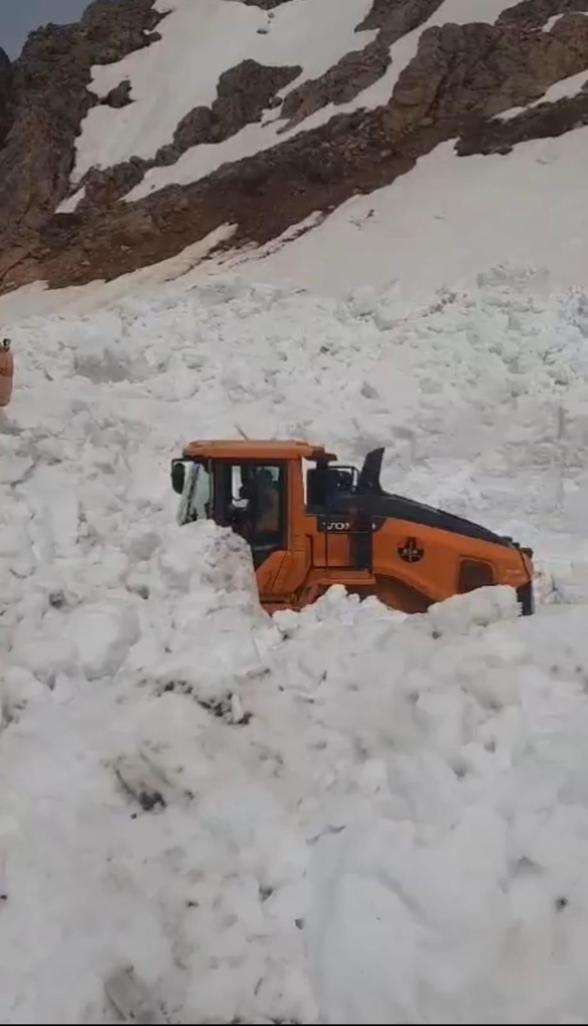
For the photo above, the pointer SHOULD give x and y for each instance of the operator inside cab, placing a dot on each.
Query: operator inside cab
(266, 503)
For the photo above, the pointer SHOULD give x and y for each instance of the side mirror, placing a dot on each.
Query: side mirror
(178, 476)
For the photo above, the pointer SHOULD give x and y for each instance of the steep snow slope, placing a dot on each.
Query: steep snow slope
(313, 39)
(442, 222)
(169, 81)
(138, 671)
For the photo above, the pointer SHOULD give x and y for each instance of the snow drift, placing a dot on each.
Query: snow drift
(210, 815)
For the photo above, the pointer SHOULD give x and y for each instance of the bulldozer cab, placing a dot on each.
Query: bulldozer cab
(289, 519)
(249, 496)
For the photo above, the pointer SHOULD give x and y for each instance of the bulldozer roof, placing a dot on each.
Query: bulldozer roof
(250, 449)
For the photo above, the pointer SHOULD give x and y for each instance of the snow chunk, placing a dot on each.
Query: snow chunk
(204, 556)
(480, 608)
(103, 633)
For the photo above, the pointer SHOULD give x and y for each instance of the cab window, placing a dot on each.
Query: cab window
(195, 503)
(251, 498)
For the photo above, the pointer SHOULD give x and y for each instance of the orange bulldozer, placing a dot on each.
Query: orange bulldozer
(312, 523)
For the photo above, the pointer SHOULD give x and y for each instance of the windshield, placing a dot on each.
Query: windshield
(195, 501)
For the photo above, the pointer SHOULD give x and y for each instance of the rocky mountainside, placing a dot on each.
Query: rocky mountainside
(420, 73)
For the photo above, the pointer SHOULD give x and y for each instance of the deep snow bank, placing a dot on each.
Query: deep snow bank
(172, 761)
(430, 770)
(461, 897)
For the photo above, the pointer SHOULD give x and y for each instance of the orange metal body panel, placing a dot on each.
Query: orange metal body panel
(315, 561)
(252, 450)
(409, 587)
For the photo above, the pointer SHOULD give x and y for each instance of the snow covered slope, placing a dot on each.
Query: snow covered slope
(208, 815)
(441, 223)
(168, 82)
(313, 34)
(154, 124)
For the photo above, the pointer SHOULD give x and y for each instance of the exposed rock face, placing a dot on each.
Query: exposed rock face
(5, 95)
(397, 17)
(49, 98)
(535, 13)
(461, 77)
(547, 120)
(353, 73)
(243, 93)
(482, 69)
(360, 68)
(120, 96)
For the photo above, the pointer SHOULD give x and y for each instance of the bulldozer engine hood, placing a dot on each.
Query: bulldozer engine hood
(396, 507)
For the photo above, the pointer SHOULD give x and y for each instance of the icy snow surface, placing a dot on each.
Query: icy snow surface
(343, 814)
(444, 220)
